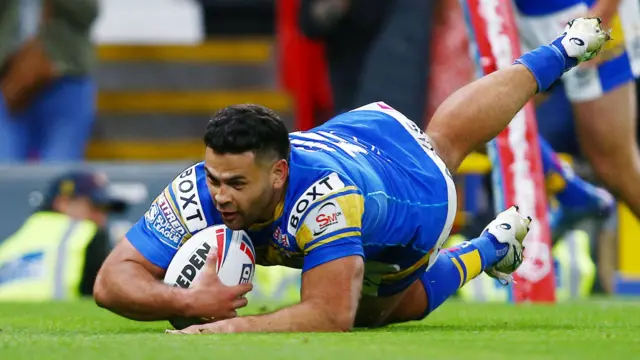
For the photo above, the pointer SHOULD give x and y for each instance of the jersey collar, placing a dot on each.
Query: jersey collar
(276, 215)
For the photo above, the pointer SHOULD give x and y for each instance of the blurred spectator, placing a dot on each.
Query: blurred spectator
(450, 65)
(46, 56)
(397, 65)
(302, 68)
(375, 52)
(57, 252)
(348, 29)
(604, 89)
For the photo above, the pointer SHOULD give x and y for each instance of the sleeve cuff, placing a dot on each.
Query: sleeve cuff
(330, 252)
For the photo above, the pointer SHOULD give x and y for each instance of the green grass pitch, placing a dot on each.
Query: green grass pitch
(595, 329)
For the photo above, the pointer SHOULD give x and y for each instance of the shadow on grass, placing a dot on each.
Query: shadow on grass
(13, 331)
(417, 327)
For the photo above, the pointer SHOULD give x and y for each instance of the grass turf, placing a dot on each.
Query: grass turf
(602, 329)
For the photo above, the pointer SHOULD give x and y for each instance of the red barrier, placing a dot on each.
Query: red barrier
(515, 153)
(302, 68)
(450, 66)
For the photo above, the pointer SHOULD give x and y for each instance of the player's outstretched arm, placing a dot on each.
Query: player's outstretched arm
(481, 110)
(129, 285)
(329, 300)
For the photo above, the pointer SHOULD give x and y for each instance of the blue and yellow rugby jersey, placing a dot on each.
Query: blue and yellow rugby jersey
(361, 184)
(181, 210)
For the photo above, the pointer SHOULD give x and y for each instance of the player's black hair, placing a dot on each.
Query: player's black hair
(247, 127)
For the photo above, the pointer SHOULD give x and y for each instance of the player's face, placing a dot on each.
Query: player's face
(244, 190)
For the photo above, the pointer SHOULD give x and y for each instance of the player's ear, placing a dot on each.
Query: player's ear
(279, 173)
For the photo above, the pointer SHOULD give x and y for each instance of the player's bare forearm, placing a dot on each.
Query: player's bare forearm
(307, 316)
(478, 112)
(126, 288)
(330, 293)
(129, 291)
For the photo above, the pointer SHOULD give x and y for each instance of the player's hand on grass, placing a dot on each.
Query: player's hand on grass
(208, 297)
(219, 327)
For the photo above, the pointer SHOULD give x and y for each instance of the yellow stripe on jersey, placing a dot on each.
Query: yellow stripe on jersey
(389, 278)
(277, 213)
(348, 214)
(336, 193)
(303, 236)
(331, 239)
(353, 208)
(171, 203)
(175, 210)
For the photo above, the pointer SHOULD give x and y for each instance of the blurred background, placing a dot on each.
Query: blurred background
(106, 99)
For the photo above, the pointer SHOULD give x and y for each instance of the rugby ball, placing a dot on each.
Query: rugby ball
(235, 258)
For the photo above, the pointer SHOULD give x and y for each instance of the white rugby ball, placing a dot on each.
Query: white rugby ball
(235, 262)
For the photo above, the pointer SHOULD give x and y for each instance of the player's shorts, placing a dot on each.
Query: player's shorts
(541, 21)
(436, 222)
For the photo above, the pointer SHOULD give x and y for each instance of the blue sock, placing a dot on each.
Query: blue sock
(547, 63)
(575, 192)
(457, 265)
(550, 160)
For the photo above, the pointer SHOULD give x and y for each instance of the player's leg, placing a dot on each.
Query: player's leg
(537, 25)
(578, 198)
(373, 311)
(451, 270)
(499, 247)
(570, 189)
(479, 111)
(606, 129)
(603, 98)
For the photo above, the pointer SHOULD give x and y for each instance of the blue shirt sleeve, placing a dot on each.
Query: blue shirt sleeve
(144, 237)
(332, 228)
(335, 250)
(179, 212)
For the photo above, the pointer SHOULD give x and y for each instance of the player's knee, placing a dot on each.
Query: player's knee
(376, 311)
(410, 305)
(368, 320)
(399, 315)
